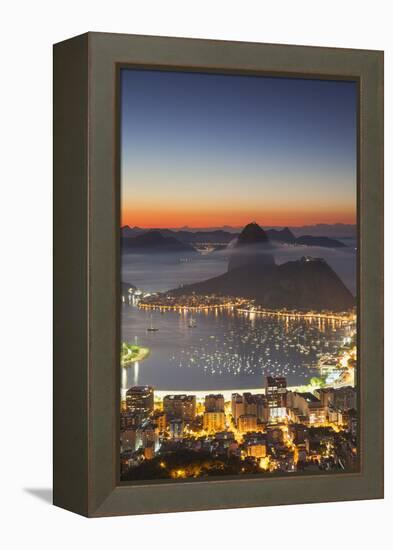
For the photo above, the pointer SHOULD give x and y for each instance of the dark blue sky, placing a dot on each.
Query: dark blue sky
(207, 149)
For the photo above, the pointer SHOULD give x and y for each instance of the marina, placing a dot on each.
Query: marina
(226, 349)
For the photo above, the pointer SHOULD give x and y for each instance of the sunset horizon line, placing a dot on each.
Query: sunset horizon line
(236, 226)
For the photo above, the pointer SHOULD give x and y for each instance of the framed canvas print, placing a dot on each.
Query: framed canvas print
(218, 274)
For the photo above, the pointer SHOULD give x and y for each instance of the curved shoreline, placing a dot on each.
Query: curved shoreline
(345, 318)
(201, 394)
(140, 356)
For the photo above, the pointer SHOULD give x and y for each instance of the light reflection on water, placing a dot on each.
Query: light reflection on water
(225, 349)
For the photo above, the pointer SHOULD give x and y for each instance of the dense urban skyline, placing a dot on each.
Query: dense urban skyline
(210, 150)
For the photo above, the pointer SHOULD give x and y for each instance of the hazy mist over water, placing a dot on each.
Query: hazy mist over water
(162, 272)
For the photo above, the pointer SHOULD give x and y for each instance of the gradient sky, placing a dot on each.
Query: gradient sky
(208, 150)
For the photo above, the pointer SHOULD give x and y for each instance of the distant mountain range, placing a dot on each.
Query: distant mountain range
(326, 242)
(153, 241)
(136, 238)
(334, 230)
(308, 283)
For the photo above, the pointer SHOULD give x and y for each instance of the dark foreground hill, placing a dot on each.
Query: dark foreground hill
(306, 284)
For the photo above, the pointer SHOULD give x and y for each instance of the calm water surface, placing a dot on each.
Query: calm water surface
(220, 350)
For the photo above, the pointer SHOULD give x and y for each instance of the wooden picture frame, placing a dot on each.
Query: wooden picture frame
(86, 272)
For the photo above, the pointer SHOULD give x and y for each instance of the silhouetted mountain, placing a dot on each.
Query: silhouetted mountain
(251, 248)
(127, 231)
(306, 284)
(154, 241)
(326, 242)
(282, 235)
(216, 237)
(334, 230)
(252, 234)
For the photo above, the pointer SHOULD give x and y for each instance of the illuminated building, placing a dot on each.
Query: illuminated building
(309, 406)
(214, 403)
(276, 390)
(176, 428)
(128, 439)
(300, 453)
(332, 414)
(237, 406)
(326, 396)
(298, 434)
(285, 461)
(147, 435)
(345, 398)
(326, 368)
(256, 404)
(247, 423)
(317, 414)
(250, 404)
(159, 418)
(128, 420)
(214, 421)
(256, 450)
(275, 436)
(140, 401)
(180, 406)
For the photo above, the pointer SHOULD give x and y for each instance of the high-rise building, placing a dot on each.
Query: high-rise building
(276, 390)
(247, 423)
(148, 436)
(326, 396)
(308, 406)
(214, 403)
(128, 420)
(128, 439)
(256, 404)
(180, 406)
(345, 398)
(176, 428)
(250, 404)
(262, 407)
(214, 421)
(140, 401)
(159, 418)
(237, 406)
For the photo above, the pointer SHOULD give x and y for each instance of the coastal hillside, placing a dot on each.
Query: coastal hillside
(305, 284)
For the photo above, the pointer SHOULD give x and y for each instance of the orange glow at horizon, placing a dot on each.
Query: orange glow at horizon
(179, 218)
